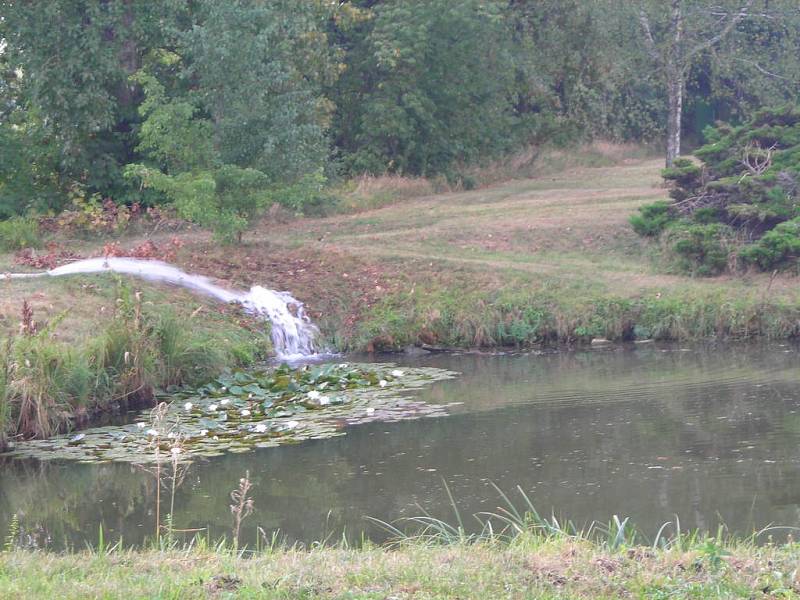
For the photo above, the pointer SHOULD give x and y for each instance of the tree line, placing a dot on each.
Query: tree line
(221, 108)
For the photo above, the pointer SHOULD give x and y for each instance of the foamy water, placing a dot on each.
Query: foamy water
(293, 334)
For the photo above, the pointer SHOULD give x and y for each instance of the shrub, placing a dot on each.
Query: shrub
(747, 188)
(701, 249)
(653, 218)
(776, 247)
(686, 177)
(307, 196)
(18, 233)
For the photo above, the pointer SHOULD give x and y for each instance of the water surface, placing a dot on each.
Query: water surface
(712, 435)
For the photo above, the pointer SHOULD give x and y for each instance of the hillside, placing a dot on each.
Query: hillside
(550, 258)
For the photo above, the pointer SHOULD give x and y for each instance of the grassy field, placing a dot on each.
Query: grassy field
(549, 258)
(527, 568)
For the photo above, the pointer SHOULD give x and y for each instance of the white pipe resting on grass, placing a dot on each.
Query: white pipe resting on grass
(293, 333)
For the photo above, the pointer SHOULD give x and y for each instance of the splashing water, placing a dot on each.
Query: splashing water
(293, 333)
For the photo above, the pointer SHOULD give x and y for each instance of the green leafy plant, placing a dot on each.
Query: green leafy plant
(777, 247)
(18, 233)
(652, 219)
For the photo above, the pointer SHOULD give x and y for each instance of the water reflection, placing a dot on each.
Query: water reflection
(709, 435)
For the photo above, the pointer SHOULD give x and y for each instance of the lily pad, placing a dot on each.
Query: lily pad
(243, 411)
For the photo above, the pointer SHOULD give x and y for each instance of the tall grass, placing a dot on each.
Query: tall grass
(18, 233)
(5, 407)
(48, 386)
(459, 318)
(520, 522)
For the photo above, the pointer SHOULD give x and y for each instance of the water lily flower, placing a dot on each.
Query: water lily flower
(212, 407)
(397, 373)
(141, 424)
(188, 406)
(370, 411)
(324, 400)
(260, 428)
(203, 432)
(244, 412)
(171, 435)
(224, 401)
(175, 451)
(151, 432)
(342, 365)
(383, 383)
(292, 424)
(313, 394)
(215, 438)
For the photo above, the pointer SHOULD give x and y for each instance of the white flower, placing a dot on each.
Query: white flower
(212, 407)
(188, 406)
(203, 431)
(175, 451)
(313, 394)
(324, 400)
(170, 435)
(224, 401)
(370, 411)
(397, 373)
(260, 428)
(382, 383)
(244, 412)
(343, 365)
(292, 424)
(223, 388)
(151, 432)
(141, 424)
(215, 438)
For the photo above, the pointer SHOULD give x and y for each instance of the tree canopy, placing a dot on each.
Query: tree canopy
(221, 108)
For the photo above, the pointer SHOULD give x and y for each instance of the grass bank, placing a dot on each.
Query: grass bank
(72, 363)
(530, 566)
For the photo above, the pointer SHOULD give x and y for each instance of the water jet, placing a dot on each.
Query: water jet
(294, 336)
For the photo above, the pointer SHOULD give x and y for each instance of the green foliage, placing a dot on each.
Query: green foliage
(424, 87)
(72, 99)
(18, 233)
(308, 196)
(226, 199)
(701, 249)
(223, 197)
(776, 248)
(91, 214)
(581, 72)
(259, 68)
(428, 86)
(746, 188)
(47, 385)
(653, 218)
(686, 178)
(256, 131)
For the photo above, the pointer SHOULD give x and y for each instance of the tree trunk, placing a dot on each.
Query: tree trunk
(675, 85)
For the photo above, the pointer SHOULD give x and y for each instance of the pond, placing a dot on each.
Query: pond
(709, 434)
